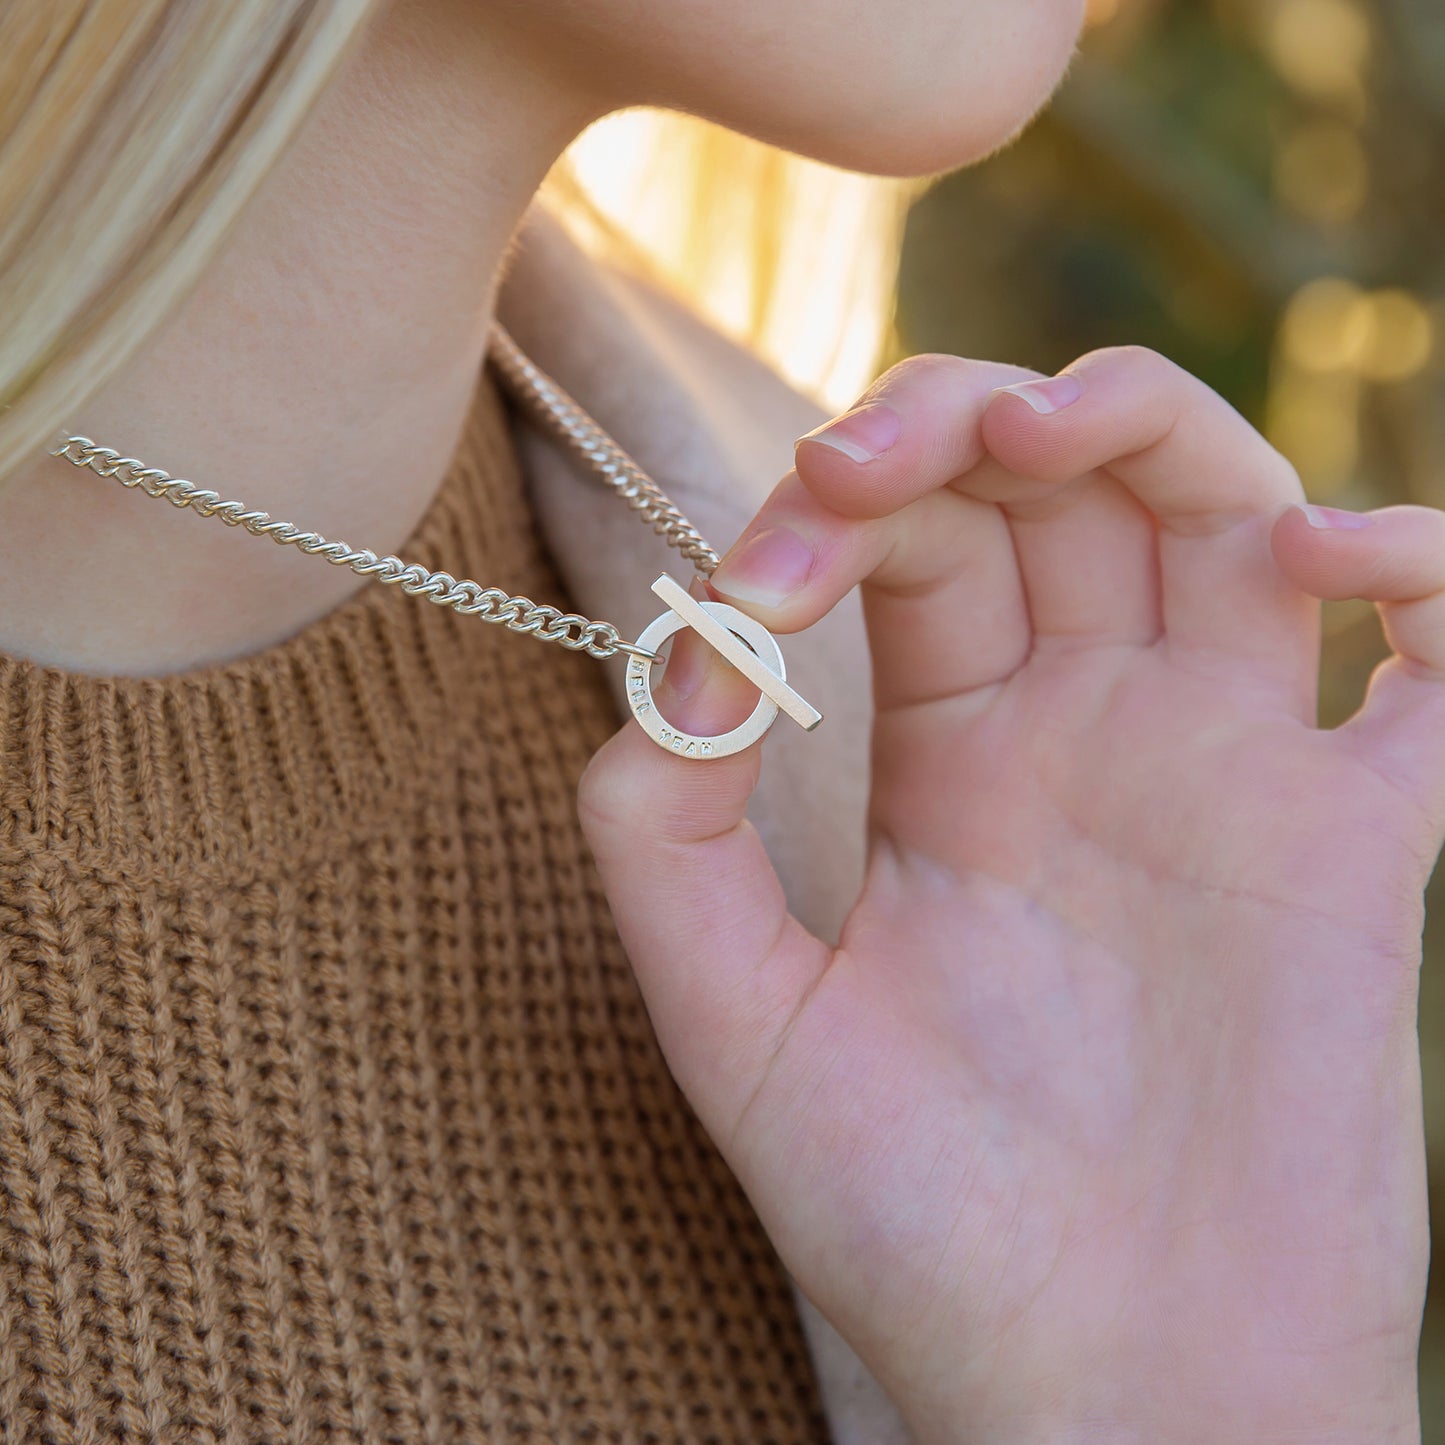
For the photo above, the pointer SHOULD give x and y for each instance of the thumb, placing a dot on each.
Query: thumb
(722, 966)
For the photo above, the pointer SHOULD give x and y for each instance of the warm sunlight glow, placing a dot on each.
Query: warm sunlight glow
(828, 301)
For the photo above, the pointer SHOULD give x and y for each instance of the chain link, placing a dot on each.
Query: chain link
(548, 404)
(558, 413)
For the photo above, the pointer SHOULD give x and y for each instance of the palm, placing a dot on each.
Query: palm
(1077, 1013)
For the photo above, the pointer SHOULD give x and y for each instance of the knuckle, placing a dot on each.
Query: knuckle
(922, 369)
(927, 363)
(1140, 361)
(939, 377)
(1281, 477)
(927, 368)
(604, 801)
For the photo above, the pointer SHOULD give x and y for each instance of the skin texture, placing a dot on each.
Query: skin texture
(351, 308)
(1103, 1119)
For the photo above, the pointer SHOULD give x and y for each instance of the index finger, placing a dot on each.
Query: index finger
(943, 599)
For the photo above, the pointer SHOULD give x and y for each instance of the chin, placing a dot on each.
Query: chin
(913, 147)
(945, 111)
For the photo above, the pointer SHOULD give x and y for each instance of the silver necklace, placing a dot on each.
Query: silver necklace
(743, 641)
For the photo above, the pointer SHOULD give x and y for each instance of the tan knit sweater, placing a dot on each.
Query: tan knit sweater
(329, 1109)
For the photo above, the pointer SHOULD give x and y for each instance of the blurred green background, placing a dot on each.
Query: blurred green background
(1257, 189)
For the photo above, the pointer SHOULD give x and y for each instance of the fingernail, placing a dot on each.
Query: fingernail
(766, 568)
(863, 434)
(1332, 519)
(1050, 394)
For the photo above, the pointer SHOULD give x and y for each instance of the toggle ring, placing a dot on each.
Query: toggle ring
(657, 727)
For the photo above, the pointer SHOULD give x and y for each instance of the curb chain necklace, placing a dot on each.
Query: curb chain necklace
(740, 639)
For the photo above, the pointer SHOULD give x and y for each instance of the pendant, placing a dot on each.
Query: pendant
(742, 641)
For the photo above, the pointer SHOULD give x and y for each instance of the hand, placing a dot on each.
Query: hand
(1103, 1120)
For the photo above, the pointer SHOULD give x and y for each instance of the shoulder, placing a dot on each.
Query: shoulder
(690, 403)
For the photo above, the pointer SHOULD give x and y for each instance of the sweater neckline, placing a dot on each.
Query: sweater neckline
(262, 755)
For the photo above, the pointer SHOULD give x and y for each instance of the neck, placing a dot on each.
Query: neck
(321, 371)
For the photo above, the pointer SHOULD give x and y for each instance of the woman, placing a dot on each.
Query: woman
(328, 1105)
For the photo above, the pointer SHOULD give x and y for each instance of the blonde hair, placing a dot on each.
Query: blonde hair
(134, 132)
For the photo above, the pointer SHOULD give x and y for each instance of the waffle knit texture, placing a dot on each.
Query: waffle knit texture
(329, 1108)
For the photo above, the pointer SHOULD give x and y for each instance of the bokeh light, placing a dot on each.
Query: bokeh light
(1320, 46)
(1321, 171)
(1402, 337)
(1328, 326)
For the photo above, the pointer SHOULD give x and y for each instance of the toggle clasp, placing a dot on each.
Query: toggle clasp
(745, 643)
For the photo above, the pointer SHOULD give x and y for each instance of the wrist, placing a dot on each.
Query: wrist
(1401, 1428)
(1384, 1412)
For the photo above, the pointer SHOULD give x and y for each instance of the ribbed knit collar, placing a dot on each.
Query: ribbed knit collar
(261, 756)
